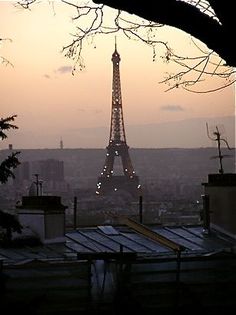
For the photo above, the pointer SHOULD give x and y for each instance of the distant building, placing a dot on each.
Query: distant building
(51, 173)
(61, 144)
(22, 173)
(49, 170)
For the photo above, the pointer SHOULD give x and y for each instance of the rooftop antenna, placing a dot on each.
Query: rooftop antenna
(217, 137)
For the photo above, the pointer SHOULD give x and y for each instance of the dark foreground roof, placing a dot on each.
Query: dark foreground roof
(89, 273)
(110, 240)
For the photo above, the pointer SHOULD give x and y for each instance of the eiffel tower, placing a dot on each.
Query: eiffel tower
(117, 148)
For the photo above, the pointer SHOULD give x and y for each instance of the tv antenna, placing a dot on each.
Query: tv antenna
(217, 137)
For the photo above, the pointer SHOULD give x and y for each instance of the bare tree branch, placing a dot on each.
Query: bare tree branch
(25, 4)
(188, 16)
(206, 64)
(202, 19)
(4, 60)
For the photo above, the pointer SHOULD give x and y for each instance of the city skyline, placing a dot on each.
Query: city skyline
(52, 104)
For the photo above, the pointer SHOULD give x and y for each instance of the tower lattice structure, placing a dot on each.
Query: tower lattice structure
(117, 147)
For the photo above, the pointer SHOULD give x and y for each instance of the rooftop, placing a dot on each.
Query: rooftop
(109, 240)
(111, 269)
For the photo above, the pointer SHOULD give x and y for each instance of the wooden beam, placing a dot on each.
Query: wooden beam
(147, 232)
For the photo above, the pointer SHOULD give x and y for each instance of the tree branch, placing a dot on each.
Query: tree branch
(186, 17)
(203, 19)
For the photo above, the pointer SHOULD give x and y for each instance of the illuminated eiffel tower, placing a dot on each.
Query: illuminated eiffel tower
(117, 148)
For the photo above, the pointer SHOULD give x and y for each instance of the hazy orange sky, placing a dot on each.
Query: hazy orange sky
(52, 103)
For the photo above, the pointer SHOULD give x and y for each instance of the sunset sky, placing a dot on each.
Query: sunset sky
(51, 103)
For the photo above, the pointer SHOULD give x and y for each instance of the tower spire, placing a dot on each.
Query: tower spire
(117, 147)
(115, 44)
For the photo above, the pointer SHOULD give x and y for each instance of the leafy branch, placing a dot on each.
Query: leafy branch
(6, 125)
(11, 162)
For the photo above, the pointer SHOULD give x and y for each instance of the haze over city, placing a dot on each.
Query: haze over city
(52, 104)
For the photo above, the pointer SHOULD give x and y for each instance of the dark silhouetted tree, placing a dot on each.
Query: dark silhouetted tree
(10, 223)
(11, 162)
(7, 220)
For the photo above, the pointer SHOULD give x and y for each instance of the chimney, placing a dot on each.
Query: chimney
(221, 191)
(44, 216)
